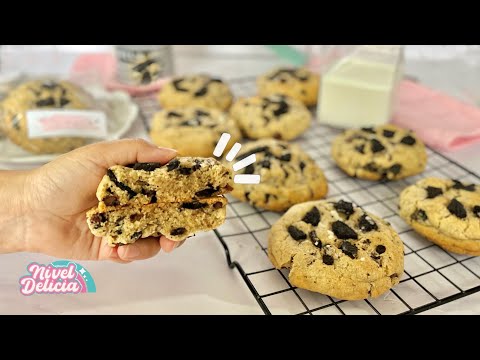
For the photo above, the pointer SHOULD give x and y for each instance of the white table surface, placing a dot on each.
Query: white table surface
(194, 279)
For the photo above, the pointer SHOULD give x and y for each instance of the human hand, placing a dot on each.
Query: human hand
(58, 194)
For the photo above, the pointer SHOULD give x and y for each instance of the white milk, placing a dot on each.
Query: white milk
(358, 90)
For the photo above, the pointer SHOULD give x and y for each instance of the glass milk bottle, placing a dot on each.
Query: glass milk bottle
(358, 90)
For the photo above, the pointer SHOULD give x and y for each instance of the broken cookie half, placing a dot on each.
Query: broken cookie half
(176, 199)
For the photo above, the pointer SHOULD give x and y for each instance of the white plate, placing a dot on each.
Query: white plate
(123, 112)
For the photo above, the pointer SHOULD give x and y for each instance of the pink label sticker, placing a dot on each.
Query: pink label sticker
(66, 123)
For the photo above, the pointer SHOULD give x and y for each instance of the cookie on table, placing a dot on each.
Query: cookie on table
(196, 90)
(288, 176)
(182, 179)
(177, 221)
(382, 152)
(298, 83)
(41, 95)
(446, 212)
(337, 249)
(272, 116)
(192, 131)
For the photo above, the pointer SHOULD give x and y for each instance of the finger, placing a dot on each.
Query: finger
(126, 151)
(167, 244)
(140, 250)
(110, 253)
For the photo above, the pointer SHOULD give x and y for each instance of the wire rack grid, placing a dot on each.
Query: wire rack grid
(432, 275)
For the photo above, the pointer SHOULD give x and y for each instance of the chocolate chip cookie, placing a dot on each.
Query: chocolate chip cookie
(273, 116)
(177, 221)
(288, 175)
(41, 95)
(337, 249)
(196, 90)
(182, 179)
(383, 152)
(176, 199)
(300, 84)
(192, 131)
(446, 212)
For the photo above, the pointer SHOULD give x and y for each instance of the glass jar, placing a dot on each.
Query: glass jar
(143, 64)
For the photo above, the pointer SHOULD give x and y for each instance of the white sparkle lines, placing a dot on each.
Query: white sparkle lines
(239, 165)
(222, 144)
(246, 179)
(233, 152)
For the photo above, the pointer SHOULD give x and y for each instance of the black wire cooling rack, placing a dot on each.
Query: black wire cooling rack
(432, 276)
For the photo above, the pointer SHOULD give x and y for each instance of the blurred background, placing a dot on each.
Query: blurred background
(451, 68)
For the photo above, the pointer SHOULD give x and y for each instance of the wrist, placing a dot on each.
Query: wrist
(13, 211)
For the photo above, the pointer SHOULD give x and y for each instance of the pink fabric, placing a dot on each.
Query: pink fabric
(102, 68)
(440, 120)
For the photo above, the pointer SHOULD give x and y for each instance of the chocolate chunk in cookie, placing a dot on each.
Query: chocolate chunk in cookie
(433, 192)
(314, 239)
(476, 210)
(344, 207)
(327, 259)
(136, 235)
(145, 166)
(343, 231)
(456, 208)
(408, 140)
(458, 185)
(286, 157)
(366, 223)
(122, 186)
(296, 233)
(419, 215)
(172, 165)
(376, 146)
(388, 133)
(395, 169)
(349, 249)
(176, 84)
(178, 231)
(194, 205)
(312, 217)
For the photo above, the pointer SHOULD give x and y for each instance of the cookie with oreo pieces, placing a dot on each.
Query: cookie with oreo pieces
(288, 175)
(297, 83)
(444, 211)
(383, 152)
(273, 116)
(196, 90)
(337, 249)
(192, 130)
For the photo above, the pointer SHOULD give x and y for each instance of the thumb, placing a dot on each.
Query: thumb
(126, 151)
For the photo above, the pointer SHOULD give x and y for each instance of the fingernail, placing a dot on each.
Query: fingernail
(178, 244)
(132, 252)
(168, 149)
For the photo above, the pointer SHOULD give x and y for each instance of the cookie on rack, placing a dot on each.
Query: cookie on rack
(446, 212)
(382, 152)
(196, 90)
(288, 175)
(192, 131)
(337, 249)
(41, 95)
(272, 116)
(298, 83)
